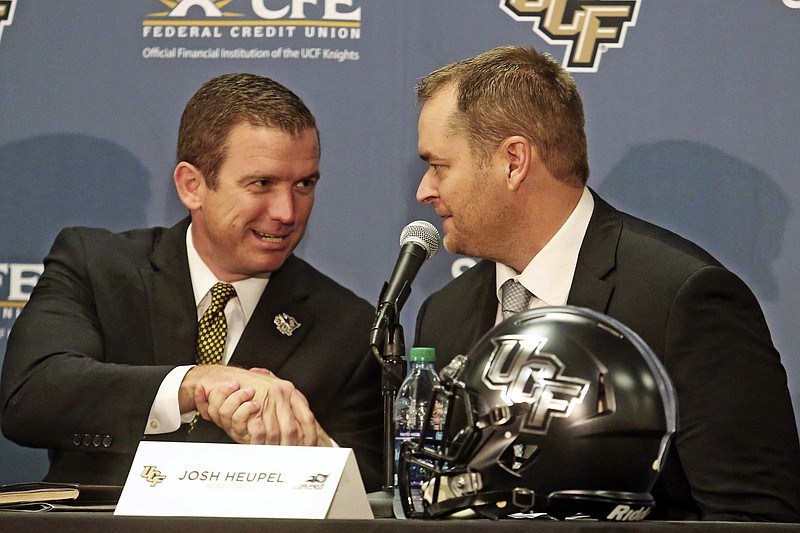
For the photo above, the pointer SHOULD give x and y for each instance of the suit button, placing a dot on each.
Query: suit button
(76, 439)
(107, 441)
(96, 441)
(87, 439)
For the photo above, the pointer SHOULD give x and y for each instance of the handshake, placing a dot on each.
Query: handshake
(252, 406)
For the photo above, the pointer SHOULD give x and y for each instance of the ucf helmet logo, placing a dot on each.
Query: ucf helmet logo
(587, 27)
(523, 373)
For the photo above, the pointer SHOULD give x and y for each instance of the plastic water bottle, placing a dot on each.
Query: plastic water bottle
(411, 406)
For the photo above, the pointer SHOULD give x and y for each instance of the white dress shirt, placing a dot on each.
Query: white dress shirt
(165, 415)
(549, 274)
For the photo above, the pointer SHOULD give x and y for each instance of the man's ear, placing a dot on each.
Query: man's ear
(517, 153)
(190, 184)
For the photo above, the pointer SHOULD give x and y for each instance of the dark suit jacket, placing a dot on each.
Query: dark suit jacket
(112, 314)
(735, 455)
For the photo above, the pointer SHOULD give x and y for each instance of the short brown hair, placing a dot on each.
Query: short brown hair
(515, 90)
(228, 100)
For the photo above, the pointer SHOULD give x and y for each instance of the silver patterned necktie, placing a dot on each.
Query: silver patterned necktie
(515, 297)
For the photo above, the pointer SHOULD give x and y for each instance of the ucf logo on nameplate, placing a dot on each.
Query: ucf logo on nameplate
(231, 480)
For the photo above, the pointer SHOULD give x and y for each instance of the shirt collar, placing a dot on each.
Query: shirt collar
(248, 291)
(549, 274)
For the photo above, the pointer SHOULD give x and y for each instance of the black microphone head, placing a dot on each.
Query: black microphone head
(423, 233)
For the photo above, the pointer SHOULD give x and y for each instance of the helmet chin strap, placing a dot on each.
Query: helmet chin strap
(461, 496)
(494, 505)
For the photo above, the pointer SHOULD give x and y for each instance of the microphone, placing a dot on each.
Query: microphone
(418, 241)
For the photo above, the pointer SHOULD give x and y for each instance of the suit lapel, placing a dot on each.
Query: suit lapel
(596, 259)
(170, 299)
(485, 304)
(473, 315)
(262, 343)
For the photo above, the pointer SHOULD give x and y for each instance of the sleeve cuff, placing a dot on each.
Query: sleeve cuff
(165, 415)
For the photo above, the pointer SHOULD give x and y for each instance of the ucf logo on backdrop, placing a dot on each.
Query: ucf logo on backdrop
(6, 14)
(587, 27)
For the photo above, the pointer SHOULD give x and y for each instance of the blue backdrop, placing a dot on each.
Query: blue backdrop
(692, 116)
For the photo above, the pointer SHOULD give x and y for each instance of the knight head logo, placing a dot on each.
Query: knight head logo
(587, 27)
(209, 8)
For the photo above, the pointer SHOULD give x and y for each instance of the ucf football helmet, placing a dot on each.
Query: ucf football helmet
(558, 410)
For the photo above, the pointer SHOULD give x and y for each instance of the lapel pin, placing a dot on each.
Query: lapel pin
(286, 324)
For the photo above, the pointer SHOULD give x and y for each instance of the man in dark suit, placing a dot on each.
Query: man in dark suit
(104, 353)
(503, 134)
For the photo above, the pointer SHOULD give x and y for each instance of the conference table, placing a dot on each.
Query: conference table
(90, 522)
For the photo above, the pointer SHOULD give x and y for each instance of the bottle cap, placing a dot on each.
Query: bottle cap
(422, 354)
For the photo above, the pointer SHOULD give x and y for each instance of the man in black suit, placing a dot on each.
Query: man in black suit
(104, 353)
(503, 135)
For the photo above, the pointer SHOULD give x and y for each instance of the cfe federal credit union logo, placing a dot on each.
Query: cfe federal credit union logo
(587, 27)
(253, 29)
(6, 14)
(16, 283)
(261, 19)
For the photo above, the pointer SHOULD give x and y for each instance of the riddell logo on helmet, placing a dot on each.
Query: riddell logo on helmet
(587, 27)
(625, 513)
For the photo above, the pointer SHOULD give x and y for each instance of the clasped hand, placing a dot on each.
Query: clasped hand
(255, 406)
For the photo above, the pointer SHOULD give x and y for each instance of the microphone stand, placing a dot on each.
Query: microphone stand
(393, 372)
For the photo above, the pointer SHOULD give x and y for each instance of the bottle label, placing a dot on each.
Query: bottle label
(417, 475)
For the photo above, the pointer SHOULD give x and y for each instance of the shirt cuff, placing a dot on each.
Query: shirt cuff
(165, 415)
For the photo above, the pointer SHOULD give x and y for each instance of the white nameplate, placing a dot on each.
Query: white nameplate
(236, 480)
